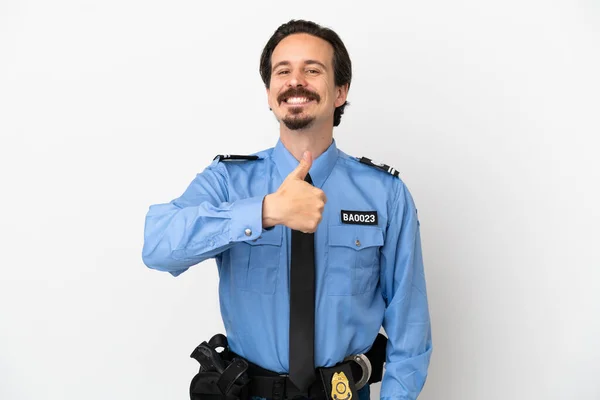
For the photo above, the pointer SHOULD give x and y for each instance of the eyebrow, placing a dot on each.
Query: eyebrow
(307, 62)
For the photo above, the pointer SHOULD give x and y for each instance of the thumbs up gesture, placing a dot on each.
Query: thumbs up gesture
(296, 204)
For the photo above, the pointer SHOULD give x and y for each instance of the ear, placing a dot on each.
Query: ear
(341, 94)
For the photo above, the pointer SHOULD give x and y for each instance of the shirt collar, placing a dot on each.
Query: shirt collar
(320, 169)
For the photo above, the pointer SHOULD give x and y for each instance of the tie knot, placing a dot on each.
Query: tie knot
(308, 179)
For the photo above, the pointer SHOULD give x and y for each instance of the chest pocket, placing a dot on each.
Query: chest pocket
(255, 263)
(353, 259)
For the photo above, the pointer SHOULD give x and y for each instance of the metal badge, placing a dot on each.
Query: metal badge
(366, 367)
(340, 388)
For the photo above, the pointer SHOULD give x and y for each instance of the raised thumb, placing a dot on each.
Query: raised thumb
(304, 166)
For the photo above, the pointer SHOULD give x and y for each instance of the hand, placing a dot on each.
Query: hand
(296, 204)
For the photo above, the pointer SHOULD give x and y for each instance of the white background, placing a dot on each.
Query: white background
(489, 110)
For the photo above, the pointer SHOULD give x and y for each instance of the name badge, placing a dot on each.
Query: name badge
(359, 217)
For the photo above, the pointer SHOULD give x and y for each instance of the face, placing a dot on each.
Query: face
(302, 90)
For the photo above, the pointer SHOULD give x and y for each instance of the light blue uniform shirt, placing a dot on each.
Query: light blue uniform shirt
(366, 276)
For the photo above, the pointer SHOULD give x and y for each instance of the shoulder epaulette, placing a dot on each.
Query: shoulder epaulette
(234, 157)
(383, 167)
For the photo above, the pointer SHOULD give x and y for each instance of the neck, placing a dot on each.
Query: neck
(315, 139)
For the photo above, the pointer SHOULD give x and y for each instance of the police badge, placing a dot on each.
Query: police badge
(340, 387)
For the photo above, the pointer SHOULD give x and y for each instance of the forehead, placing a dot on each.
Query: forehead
(301, 46)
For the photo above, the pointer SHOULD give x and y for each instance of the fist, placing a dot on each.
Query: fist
(296, 204)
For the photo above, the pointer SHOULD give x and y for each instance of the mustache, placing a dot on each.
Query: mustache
(298, 92)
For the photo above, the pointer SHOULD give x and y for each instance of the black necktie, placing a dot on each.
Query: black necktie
(302, 308)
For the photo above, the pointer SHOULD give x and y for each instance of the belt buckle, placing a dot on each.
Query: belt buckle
(366, 367)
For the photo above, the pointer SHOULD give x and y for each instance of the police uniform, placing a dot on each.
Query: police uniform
(368, 261)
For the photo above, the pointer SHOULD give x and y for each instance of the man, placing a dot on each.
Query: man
(316, 250)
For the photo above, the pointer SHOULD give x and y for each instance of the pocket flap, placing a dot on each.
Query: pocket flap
(271, 237)
(355, 236)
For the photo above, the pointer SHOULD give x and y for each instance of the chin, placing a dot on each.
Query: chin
(295, 124)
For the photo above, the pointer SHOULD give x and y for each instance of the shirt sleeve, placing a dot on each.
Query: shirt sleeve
(406, 321)
(200, 224)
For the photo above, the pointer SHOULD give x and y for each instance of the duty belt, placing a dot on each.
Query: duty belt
(237, 378)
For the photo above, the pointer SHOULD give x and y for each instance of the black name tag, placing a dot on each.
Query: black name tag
(359, 217)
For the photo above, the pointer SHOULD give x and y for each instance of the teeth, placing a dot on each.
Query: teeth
(297, 100)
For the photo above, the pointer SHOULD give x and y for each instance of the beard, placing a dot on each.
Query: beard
(295, 121)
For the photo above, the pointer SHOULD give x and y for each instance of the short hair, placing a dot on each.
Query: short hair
(342, 66)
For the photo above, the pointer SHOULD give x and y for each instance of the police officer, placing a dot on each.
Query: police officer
(305, 209)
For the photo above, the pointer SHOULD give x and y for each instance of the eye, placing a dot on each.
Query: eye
(282, 72)
(313, 71)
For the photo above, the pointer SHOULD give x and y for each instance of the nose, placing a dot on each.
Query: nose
(297, 79)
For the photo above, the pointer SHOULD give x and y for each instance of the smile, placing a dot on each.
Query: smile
(297, 101)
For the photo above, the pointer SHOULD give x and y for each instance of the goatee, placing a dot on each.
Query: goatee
(298, 123)
(295, 121)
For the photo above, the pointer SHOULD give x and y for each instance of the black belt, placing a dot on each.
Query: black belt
(268, 384)
(271, 385)
(228, 376)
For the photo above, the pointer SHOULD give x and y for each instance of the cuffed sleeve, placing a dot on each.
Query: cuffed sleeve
(200, 224)
(246, 219)
(406, 321)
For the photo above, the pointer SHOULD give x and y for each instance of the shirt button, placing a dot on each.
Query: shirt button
(248, 232)
(357, 243)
